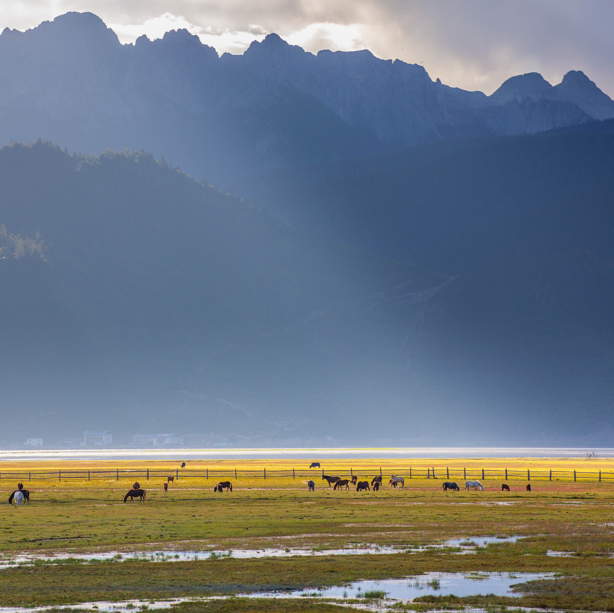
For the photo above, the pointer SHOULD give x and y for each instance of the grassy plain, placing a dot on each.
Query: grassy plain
(80, 516)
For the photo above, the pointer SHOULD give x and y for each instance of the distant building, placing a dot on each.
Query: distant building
(34, 442)
(143, 440)
(198, 441)
(97, 438)
(167, 439)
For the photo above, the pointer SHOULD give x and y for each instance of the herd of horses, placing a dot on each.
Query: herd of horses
(20, 495)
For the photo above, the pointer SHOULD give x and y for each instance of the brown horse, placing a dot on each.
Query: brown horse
(170, 480)
(136, 485)
(330, 479)
(505, 487)
(528, 487)
(342, 483)
(376, 486)
(354, 479)
(375, 480)
(223, 485)
(363, 486)
(165, 485)
(132, 494)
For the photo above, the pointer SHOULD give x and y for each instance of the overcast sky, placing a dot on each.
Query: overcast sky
(474, 44)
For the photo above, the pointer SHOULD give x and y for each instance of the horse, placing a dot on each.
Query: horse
(505, 487)
(474, 484)
(170, 479)
(311, 485)
(330, 479)
(165, 485)
(342, 483)
(353, 479)
(16, 497)
(528, 487)
(223, 485)
(377, 479)
(394, 481)
(376, 486)
(315, 465)
(182, 464)
(362, 486)
(450, 485)
(136, 485)
(132, 494)
(26, 493)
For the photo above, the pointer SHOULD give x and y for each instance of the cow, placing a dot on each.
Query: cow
(362, 486)
(450, 485)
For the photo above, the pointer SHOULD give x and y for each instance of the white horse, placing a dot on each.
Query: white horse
(17, 498)
(394, 480)
(476, 485)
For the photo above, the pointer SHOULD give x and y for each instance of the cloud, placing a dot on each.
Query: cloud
(475, 44)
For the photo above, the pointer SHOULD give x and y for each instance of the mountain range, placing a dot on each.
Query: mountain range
(72, 82)
(405, 263)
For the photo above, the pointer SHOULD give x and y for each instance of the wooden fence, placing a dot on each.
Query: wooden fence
(409, 472)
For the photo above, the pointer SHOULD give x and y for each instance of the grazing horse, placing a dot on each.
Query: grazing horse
(330, 479)
(170, 479)
(450, 485)
(354, 479)
(16, 497)
(165, 485)
(528, 487)
(362, 486)
(315, 465)
(182, 464)
(476, 485)
(376, 486)
(394, 481)
(505, 487)
(342, 483)
(132, 494)
(223, 485)
(311, 485)
(375, 480)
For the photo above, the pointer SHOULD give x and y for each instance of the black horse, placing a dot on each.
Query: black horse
(132, 494)
(505, 487)
(315, 465)
(450, 485)
(311, 485)
(223, 485)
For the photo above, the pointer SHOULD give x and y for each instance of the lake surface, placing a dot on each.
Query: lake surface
(301, 453)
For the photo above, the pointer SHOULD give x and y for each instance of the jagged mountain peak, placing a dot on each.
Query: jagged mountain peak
(576, 87)
(531, 84)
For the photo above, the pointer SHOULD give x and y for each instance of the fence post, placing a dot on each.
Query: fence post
(447, 472)
(117, 475)
(352, 473)
(293, 475)
(148, 474)
(550, 474)
(88, 475)
(428, 473)
(528, 475)
(177, 474)
(506, 474)
(30, 476)
(464, 473)
(410, 472)
(59, 475)
(482, 474)
(207, 474)
(599, 476)
(235, 473)
(380, 471)
(574, 476)
(265, 473)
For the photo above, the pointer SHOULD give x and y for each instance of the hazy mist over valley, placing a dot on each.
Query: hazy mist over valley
(290, 248)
